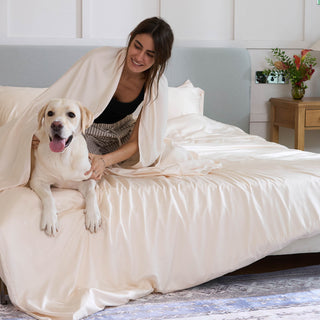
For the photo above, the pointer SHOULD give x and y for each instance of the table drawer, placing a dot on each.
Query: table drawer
(312, 118)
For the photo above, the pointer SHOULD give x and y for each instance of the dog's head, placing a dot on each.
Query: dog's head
(62, 119)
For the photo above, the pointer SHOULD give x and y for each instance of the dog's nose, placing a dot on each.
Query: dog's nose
(56, 125)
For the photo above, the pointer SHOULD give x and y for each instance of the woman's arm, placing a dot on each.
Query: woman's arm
(127, 150)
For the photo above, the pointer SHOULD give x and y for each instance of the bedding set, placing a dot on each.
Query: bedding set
(216, 200)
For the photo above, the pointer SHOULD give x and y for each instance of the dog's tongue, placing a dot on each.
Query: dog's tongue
(57, 144)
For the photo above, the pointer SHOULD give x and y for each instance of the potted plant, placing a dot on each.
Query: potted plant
(298, 69)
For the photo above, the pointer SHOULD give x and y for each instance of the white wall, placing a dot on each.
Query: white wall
(254, 24)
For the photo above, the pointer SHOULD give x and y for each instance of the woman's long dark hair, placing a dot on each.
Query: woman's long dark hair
(162, 36)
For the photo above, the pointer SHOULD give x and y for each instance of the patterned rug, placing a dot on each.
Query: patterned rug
(289, 294)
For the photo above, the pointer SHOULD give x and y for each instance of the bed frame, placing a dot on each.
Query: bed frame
(223, 73)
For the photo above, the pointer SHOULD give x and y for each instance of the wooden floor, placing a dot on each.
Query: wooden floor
(276, 263)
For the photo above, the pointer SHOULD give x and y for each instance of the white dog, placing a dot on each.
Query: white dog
(61, 160)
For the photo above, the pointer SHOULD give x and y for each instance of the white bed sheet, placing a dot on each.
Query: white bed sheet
(161, 233)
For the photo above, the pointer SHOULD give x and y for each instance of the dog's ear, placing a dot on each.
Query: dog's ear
(41, 116)
(86, 118)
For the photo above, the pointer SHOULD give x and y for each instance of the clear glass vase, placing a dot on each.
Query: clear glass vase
(297, 92)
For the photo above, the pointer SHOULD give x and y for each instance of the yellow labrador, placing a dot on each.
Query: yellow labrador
(61, 160)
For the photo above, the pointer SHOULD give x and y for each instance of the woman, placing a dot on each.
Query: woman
(113, 138)
(148, 51)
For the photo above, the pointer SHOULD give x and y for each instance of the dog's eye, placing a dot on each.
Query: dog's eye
(71, 115)
(50, 113)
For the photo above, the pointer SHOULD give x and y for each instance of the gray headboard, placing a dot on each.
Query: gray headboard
(223, 73)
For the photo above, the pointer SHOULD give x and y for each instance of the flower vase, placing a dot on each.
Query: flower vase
(297, 92)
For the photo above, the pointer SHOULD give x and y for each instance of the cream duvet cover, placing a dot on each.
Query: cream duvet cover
(164, 229)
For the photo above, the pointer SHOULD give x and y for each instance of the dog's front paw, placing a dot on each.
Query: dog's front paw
(50, 224)
(93, 220)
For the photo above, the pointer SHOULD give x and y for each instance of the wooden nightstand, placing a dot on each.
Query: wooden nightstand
(299, 115)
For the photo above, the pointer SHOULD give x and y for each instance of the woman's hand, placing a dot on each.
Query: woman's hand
(100, 162)
(35, 142)
(98, 166)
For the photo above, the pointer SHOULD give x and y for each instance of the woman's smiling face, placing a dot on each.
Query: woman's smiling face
(141, 53)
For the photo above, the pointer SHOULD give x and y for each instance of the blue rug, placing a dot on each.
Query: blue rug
(289, 294)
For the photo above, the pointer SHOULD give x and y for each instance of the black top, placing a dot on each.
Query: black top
(117, 110)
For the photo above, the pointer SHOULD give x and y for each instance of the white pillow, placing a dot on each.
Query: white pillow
(13, 100)
(185, 99)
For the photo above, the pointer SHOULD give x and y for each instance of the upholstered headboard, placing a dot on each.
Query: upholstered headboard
(223, 73)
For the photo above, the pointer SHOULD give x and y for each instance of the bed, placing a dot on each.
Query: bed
(164, 231)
